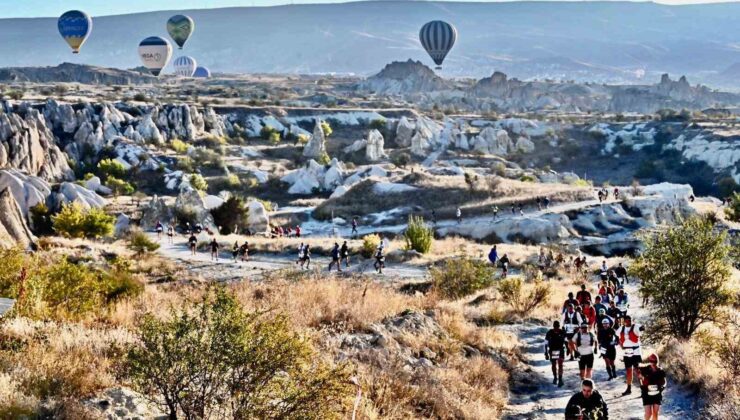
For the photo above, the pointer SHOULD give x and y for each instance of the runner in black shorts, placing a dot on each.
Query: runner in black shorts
(652, 384)
(555, 352)
(586, 345)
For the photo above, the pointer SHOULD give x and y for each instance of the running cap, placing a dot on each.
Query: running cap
(653, 358)
(584, 325)
(605, 321)
(602, 311)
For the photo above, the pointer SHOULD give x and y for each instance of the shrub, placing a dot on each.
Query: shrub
(185, 164)
(512, 292)
(498, 168)
(232, 213)
(76, 222)
(219, 358)
(119, 186)
(727, 186)
(418, 235)
(324, 159)
(581, 183)
(274, 138)
(139, 241)
(110, 167)
(40, 219)
(378, 124)
(303, 139)
(733, 211)
(179, 146)
(461, 276)
(369, 244)
(186, 215)
(266, 132)
(684, 274)
(198, 182)
(326, 128)
(528, 178)
(401, 159)
(140, 97)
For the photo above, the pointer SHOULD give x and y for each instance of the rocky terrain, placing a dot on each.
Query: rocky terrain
(73, 73)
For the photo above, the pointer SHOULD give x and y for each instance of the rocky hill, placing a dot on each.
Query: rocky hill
(74, 73)
(404, 77)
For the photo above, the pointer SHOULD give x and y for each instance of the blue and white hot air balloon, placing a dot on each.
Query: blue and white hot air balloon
(155, 52)
(185, 66)
(202, 72)
(75, 26)
(438, 38)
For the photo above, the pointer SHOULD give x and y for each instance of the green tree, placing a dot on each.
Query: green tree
(233, 212)
(119, 186)
(179, 146)
(684, 274)
(733, 211)
(326, 128)
(111, 167)
(74, 221)
(418, 235)
(460, 277)
(219, 359)
(198, 182)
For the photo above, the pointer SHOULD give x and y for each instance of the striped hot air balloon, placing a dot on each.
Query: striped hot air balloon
(202, 72)
(180, 27)
(185, 66)
(75, 26)
(155, 52)
(438, 38)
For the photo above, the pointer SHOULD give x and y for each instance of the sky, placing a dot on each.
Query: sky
(45, 8)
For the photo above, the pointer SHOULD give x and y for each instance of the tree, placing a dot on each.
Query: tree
(326, 128)
(460, 277)
(111, 167)
(733, 211)
(684, 274)
(74, 221)
(418, 235)
(233, 212)
(198, 182)
(119, 186)
(220, 361)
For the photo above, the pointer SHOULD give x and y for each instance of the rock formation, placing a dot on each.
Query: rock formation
(374, 150)
(13, 228)
(493, 141)
(404, 132)
(27, 190)
(69, 192)
(316, 146)
(404, 77)
(258, 220)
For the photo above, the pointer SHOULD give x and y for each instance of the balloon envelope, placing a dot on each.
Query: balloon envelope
(202, 72)
(185, 66)
(180, 27)
(438, 38)
(75, 26)
(155, 52)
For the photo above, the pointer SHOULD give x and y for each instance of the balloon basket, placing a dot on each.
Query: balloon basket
(438, 68)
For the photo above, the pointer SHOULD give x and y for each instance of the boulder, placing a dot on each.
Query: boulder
(316, 146)
(13, 228)
(191, 202)
(339, 191)
(69, 192)
(374, 150)
(493, 141)
(404, 132)
(156, 211)
(524, 145)
(258, 221)
(212, 201)
(419, 144)
(334, 176)
(27, 190)
(356, 146)
(94, 184)
(148, 130)
(123, 225)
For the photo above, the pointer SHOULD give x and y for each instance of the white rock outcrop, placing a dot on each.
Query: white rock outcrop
(374, 149)
(258, 221)
(404, 132)
(316, 146)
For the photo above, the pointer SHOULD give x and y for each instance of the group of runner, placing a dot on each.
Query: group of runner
(596, 326)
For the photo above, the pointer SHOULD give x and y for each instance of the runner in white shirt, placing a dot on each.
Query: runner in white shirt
(629, 340)
(586, 345)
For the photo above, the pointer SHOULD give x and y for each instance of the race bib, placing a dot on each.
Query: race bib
(602, 350)
(569, 328)
(653, 390)
(555, 354)
(629, 352)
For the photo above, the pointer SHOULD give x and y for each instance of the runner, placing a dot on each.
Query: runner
(571, 321)
(614, 312)
(335, 258)
(244, 251)
(608, 346)
(606, 293)
(159, 229)
(214, 250)
(589, 313)
(652, 383)
(494, 210)
(458, 214)
(629, 340)
(622, 301)
(171, 234)
(306, 257)
(297, 231)
(235, 250)
(621, 273)
(547, 202)
(583, 295)
(344, 254)
(568, 302)
(193, 243)
(300, 255)
(379, 259)
(586, 404)
(555, 352)
(599, 307)
(354, 227)
(434, 218)
(493, 256)
(616, 193)
(504, 261)
(586, 346)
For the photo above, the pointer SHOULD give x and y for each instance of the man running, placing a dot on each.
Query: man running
(555, 352)
(571, 321)
(652, 383)
(214, 249)
(586, 404)
(493, 256)
(244, 251)
(235, 251)
(629, 340)
(159, 229)
(621, 273)
(344, 254)
(306, 257)
(458, 214)
(379, 259)
(335, 258)
(583, 295)
(598, 306)
(589, 313)
(300, 255)
(192, 243)
(504, 261)
(607, 338)
(586, 346)
(494, 210)
(171, 234)
(354, 227)
(568, 302)
(622, 301)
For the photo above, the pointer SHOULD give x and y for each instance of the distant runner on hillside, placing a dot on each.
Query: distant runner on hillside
(354, 227)
(458, 214)
(192, 243)
(214, 249)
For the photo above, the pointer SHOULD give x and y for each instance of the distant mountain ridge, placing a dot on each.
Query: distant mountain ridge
(73, 73)
(611, 42)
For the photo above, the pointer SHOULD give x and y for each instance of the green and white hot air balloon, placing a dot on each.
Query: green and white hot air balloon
(180, 27)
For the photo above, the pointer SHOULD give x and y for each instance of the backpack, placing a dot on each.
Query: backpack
(631, 334)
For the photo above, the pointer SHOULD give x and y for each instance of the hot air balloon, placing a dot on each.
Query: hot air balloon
(180, 27)
(438, 37)
(75, 26)
(155, 53)
(185, 66)
(202, 72)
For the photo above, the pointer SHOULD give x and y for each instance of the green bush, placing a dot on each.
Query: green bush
(186, 215)
(326, 128)
(266, 132)
(418, 235)
(232, 213)
(461, 276)
(512, 293)
(119, 186)
(76, 222)
(369, 244)
(218, 357)
(274, 138)
(198, 182)
(401, 160)
(120, 284)
(185, 164)
(179, 146)
(528, 178)
(378, 124)
(685, 273)
(111, 168)
(733, 211)
(139, 241)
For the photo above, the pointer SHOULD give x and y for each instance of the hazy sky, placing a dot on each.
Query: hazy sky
(36, 8)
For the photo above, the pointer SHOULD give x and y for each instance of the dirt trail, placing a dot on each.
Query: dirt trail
(540, 399)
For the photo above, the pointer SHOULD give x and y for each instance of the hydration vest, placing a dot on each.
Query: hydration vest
(632, 336)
